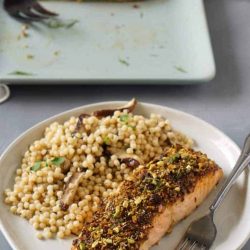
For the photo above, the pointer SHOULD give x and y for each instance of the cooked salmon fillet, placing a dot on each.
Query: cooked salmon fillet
(151, 201)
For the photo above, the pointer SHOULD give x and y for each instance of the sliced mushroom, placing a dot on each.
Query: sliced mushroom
(65, 166)
(131, 160)
(70, 189)
(80, 126)
(130, 106)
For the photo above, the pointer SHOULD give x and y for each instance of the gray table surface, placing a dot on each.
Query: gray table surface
(224, 102)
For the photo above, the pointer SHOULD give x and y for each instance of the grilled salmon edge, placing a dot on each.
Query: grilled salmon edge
(181, 209)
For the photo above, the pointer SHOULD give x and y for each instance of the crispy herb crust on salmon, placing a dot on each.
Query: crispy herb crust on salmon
(147, 205)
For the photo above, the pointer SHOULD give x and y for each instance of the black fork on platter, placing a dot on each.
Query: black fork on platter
(27, 10)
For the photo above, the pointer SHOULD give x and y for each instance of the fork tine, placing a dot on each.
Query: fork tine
(39, 8)
(187, 244)
(19, 17)
(198, 246)
(203, 247)
(27, 12)
(193, 245)
(183, 243)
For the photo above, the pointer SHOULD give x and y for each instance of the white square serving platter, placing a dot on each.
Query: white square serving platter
(165, 41)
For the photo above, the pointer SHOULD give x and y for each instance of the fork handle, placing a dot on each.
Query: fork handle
(241, 164)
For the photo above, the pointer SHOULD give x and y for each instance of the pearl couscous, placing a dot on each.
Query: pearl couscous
(41, 178)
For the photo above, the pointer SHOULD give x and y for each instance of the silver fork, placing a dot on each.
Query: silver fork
(201, 233)
(27, 10)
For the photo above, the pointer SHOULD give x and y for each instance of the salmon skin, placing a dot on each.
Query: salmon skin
(151, 201)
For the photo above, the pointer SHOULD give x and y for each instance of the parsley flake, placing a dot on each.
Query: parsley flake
(174, 158)
(124, 62)
(21, 73)
(58, 161)
(29, 56)
(180, 69)
(124, 118)
(106, 140)
(57, 23)
(36, 166)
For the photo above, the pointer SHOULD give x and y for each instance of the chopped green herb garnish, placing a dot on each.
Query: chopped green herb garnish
(180, 69)
(71, 24)
(133, 127)
(58, 161)
(106, 140)
(174, 158)
(29, 56)
(56, 53)
(36, 166)
(56, 23)
(21, 73)
(124, 118)
(123, 62)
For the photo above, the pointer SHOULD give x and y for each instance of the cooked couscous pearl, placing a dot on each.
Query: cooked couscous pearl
(40, 236)
(36, 194)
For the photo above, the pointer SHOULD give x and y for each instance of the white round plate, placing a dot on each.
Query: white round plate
(232, 218)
